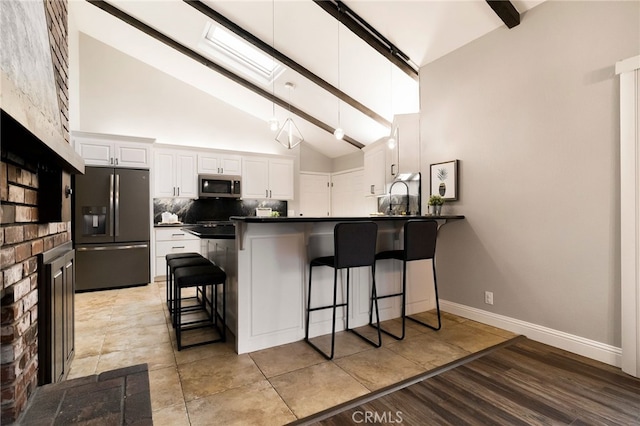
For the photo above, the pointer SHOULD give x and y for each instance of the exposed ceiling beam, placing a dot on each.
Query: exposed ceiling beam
(141, 26)
(370, 35)
(506, 11)
(285, 60)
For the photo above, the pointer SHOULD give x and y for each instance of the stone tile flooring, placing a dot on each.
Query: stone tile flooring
(212, 384)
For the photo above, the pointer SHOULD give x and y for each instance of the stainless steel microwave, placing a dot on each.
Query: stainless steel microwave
(219, 186)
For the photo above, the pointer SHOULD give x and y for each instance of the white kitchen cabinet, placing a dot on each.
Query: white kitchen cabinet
(219, 164)
(112, 150)
(172, 240)
(270, 178)
(375, 169)
(175, 174)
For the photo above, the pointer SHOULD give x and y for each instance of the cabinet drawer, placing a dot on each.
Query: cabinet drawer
(165, 247)
(173, 234)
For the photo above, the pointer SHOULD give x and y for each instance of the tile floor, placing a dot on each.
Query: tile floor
(212, 384)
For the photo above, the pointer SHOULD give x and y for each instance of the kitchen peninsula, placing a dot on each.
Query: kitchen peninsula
(272, 270)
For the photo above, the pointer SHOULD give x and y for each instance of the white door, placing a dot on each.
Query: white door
(315, 194)
(347, 197)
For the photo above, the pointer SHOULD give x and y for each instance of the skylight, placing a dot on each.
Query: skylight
(240, 54)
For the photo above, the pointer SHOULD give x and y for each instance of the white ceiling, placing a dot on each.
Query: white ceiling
(423, 29)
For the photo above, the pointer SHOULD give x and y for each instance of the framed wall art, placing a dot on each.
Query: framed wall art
(444, 180)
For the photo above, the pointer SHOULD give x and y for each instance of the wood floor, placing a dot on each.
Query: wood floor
(520, 383)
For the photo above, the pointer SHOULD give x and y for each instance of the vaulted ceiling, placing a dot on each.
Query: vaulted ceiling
(340, 80)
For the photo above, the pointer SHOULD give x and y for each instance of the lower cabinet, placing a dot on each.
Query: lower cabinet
(56, 290)
(172, 240)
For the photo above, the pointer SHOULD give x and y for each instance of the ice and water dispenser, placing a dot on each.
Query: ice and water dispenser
(94, 221)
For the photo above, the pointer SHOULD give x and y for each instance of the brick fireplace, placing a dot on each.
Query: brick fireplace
(36, 163)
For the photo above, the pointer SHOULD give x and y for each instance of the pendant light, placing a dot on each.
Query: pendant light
(289, 136)
(339, 132)
(273, 121)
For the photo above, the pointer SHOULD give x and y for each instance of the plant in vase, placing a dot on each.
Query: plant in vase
(436, 201)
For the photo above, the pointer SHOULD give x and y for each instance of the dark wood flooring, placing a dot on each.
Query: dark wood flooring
(520, 383)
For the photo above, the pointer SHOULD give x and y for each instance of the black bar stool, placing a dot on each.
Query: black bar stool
(419, 243)
(194, 276)
(169, 281)
(175, 264)
(354, 246)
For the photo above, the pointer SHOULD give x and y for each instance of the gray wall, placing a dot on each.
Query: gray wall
(313, 161)
(532, 113)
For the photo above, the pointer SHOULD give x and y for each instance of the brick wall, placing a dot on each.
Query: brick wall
(22, 238)
(56, 13)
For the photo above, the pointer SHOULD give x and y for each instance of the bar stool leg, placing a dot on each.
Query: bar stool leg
(435, 285)
(375, 303)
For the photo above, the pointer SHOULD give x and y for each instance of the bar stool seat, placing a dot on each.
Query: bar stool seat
(174, 264)
(168, 277)
(354, 246)
(419, 243)
(194, 276)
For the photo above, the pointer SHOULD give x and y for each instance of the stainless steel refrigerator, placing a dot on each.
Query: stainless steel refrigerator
(111, 230)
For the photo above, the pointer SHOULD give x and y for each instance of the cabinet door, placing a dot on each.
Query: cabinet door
(209, 164)
(164, 172)
(69, 309)
(132, 155)
(57, 319)
(186, 175)
(374, 171)
(255, 177)
(231, 164)
(95, 153)
(281, 179)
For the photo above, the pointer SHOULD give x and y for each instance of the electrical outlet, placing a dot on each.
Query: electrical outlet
(488, 297)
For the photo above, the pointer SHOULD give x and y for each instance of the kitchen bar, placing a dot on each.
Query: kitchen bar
(269, 285)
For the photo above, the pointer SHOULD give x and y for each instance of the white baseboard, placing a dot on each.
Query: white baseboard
(579, 345)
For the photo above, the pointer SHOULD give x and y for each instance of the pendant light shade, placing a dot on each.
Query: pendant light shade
(289, 135)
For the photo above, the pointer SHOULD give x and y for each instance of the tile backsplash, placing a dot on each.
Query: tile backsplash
(192, 211)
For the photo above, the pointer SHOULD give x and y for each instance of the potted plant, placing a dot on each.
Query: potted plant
(436, 201)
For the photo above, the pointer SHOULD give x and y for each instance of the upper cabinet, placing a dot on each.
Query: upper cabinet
(270, 178)
(407, 143)
(175, 173)
(375, 170)
(112, 150)
(219, 164)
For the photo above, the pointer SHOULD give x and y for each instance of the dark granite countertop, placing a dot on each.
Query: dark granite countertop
(169, 225)
(309, 219)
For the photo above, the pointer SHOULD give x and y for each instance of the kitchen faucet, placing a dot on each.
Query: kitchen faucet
(391, 200)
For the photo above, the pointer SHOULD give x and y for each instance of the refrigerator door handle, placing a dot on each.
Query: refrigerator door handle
(111, 193)
(117, 206)
(102, 248)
